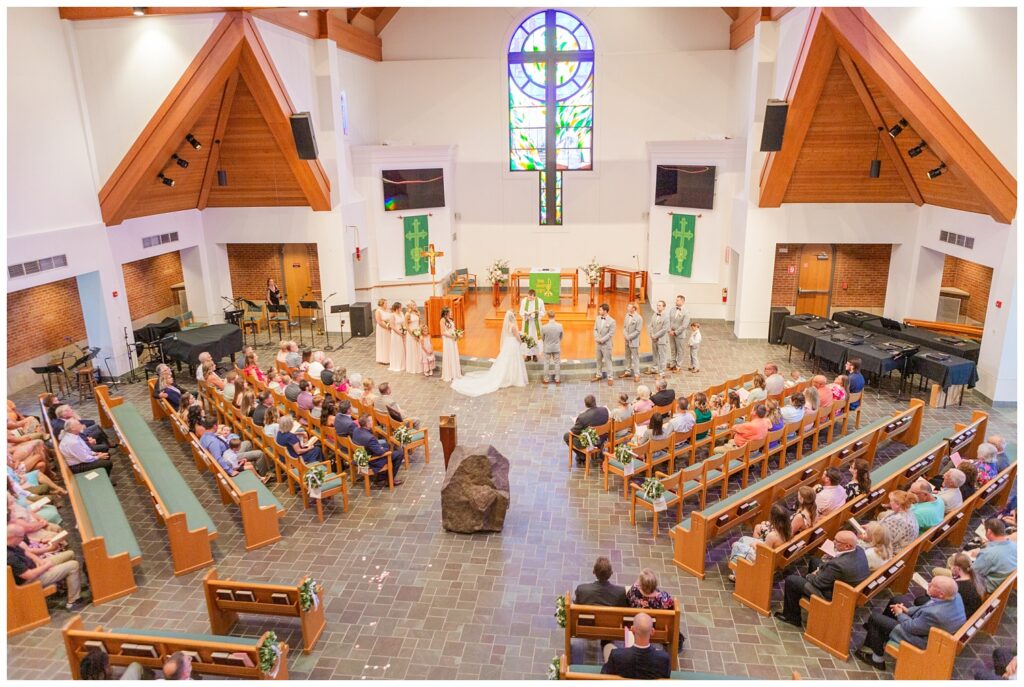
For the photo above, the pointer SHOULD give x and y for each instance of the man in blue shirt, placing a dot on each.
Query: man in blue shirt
(233, 463)
(363, 436)
(997, 559)
(215, 440)
(856, 379)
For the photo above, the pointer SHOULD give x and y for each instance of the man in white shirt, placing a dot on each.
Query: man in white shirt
(950, 493)
(773, 381)
(203, 357)
(832, 495)
(316, 365)
(76, 452)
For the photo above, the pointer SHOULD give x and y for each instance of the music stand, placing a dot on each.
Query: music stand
(45, 372)
(337, 310)
(315, 307)
(278, 309)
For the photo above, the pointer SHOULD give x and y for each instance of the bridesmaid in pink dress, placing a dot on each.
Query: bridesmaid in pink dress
(383, 320)
(397, 354)
(451, 368)
(413, 352)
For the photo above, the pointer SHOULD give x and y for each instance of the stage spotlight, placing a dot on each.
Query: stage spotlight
(303, 13)
(937, 172)
(897, 128)
(139, 11)
(183, 163)
(167, 181)
(916, 150)
(193, 142)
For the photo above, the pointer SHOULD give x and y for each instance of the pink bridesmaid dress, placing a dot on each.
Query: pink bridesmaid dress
(451, 367)
(383, 336)
(413, 353)
(397, 344)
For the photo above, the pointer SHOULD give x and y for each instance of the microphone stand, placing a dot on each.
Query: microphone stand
(298, 321)
(327, 325)
(131, 367)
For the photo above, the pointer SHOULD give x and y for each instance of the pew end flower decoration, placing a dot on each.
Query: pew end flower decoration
(269, 654)
(309, 594)
(315, 478)
(653, 489)
(560, 615)
(362, 461)
(589, 438)
(624, 454)
(554, 669)
(403, 435)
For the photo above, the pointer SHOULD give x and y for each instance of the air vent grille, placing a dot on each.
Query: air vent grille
(36, 266)
(159, 239)
(957, 239)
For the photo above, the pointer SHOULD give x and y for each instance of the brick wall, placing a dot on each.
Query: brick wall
(251, 264)
(39, 318)
(973, 278)
(147, 283)
(864, 268)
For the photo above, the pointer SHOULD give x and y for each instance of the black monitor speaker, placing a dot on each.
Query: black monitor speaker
(776, 324)
(361, 318)
(774, 125)
(302, 132)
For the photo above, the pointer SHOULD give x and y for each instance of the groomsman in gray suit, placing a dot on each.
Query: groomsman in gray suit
(658, 331)
(631, 328)
(551, 339)
(679, 332)
(604, 330)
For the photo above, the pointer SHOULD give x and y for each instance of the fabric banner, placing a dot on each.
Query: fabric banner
(680, 260)
(417, 238)
(547, 285)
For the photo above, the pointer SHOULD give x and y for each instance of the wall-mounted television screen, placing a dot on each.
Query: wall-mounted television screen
(410, 189)
(685, 186)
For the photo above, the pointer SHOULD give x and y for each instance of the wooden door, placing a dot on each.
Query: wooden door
(295, 263)
(814, 283)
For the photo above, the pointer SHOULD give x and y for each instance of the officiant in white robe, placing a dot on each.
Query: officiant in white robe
(531, 310)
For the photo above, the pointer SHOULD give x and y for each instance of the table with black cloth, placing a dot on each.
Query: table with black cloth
(800, 320)
(154, 331)
(805, 337)
(854, 318)
(878, 359)
(219, 340)
(963, 348)
(947, 372)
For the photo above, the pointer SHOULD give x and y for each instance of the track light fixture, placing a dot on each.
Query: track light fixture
(183, 163)
(937, 172)
(165, 180)
(139, 11)
(222, 177)
(916, 150)
(898, 128)
(876, 165)
(193, 142)
(303, 13)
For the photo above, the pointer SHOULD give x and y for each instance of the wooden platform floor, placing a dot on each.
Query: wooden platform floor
(483, 325)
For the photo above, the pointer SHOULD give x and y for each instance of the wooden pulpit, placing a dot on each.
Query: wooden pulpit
(434, 305)
(448, 431)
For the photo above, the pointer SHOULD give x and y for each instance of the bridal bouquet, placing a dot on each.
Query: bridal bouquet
(458, 334)
(417, 332)
(401, 330)
(528, 340)
(498, 272)
(593, 271)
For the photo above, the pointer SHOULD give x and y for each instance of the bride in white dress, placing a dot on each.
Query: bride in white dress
(508, 369)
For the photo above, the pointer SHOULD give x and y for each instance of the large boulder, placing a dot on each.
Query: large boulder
(474, 496)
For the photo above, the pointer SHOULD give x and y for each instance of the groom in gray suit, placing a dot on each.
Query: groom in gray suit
(551, 338)
(604, 330)
(678, 331)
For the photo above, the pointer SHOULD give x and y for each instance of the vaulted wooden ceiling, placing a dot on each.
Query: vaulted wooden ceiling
(849, 82)
(233, 102)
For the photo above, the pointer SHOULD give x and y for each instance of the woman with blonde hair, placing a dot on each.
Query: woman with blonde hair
(369, 395)
(397, 354)
(643, 401)
(383, 341)
(413, 348)
(899, 522)
(876, 545)
(811, 400)
(283, 349)
(806, 510)
(644, 593)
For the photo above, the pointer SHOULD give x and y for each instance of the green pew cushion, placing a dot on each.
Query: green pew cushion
(188, 636)
(640, 465)
(921, 449)
(584, 668)
(247, 480)
(105, 513)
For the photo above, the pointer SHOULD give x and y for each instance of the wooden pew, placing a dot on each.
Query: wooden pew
(189, 528)
(26, 605)
(607, 623)
(224, 603)
(164, 643)
(935, 661)
(578, 671)
(154, 403)
(109, 547)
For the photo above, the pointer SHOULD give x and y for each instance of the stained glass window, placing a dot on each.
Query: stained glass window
(551, 102)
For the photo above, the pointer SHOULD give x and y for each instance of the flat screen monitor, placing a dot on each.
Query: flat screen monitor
(685, 186)
(412, 189)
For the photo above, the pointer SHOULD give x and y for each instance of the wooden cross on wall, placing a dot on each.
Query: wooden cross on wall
(432, 255)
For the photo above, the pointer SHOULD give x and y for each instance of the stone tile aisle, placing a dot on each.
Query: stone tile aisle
(455, 606)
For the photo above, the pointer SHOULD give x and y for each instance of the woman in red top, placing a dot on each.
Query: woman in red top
(252, 368)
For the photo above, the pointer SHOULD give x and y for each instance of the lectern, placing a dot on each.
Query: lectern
(449, 436)
(434, 306)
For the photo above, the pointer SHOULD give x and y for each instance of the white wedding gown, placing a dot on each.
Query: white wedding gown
(508, 369)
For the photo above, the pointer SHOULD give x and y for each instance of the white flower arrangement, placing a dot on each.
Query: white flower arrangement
(593, 271)
(589, 438)
(315, 479)
(417, 332)
(362, 461)
(403, 435)
(497, 273)
(528, 340)
(554, 669)
(458, 334)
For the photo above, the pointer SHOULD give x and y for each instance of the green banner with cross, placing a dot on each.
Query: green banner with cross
(417, 238)
(680, 261)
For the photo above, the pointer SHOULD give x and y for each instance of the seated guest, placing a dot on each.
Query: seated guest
(794, 378)
(179, 666)
(217, 438)
(327, 374)
(187, 401)
(732, 402)
(204, 358)
(806, 513)
(95, 665)
(166, 388)
(655, 430)
(40, 526)
(242, 357)
(856, 379)
(623, 409)
(773, 532)
(195, 416)
(252, 367)
(644, 593)
(317, 411)
(308, 450)
(774, 418)
(928, 510)
(640, 661)
(28, 424)
(387, 402)
(998, 558)
(970, 484)
(344, 421)
(316, 364)
(840, 391)
(601, 592)
(1002, 460)
(28, 454)
(342, 384)
(369, 395)
(774, 384)
(898, 521)
(1004, 665)
(305, 398)
(757, 392)
(355, 386)
(755, 430)
(987, 463)
(34, 482)
(28, 567)
(592, 416)
(662, 396)
(683, 421)
(912, 624)
(701, 411)
(229, 390)
(811, 400)
(850, 565)
(876, 545)
(233, 463)
(831, 494)
(247, 402)
(860, 479)
(270, 422)
(291, 389)
(212, 378)
(77, 453)
(363, 436)
(717, 405)
(950, 494)
(794, 410)
(264, 402)
(292, 358)
(23, 501)
(968, 583)
(93, 432)
(283, 349)
(643, 401)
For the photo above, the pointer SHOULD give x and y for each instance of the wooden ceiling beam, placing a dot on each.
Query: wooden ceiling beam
(746, 19)
(89, 13)
(351, 13)
(817, 53)
(354, 40)
(880, 59)
(223, 115)
(876, 118)
(384, 18)
(289, 18)
(733, 12)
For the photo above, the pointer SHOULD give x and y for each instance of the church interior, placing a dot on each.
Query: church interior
(493, 342)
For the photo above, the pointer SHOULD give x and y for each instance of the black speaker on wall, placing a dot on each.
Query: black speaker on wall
(777, 324)
(361, 317)
(774, 125)
(302, 132)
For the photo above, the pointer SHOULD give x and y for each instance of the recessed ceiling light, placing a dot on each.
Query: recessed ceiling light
(139, 11)
(303, 13)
